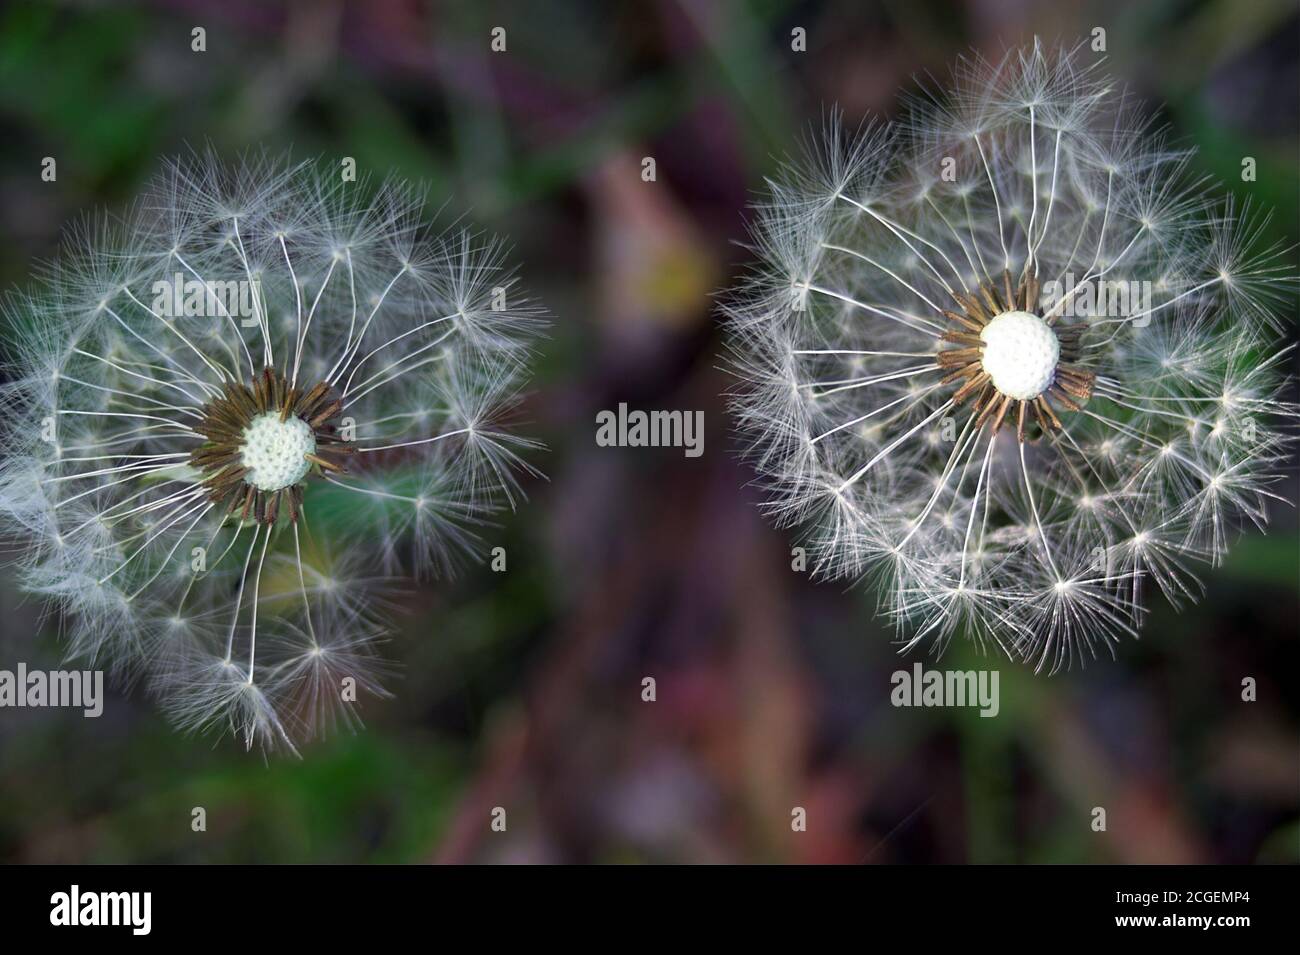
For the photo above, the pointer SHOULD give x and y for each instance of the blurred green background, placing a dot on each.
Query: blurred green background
(522, 689)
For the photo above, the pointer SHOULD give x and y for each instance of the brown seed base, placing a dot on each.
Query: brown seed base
(1071, 384)
(224, 421)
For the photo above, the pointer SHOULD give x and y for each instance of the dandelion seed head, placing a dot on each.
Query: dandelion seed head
(1026, 332)
(221, 407)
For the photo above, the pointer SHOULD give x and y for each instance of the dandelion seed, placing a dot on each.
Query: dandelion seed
(236, 414)
(1017, 395)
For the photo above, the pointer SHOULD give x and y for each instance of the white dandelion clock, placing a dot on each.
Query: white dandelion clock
(1012, 361)
(235, 415)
